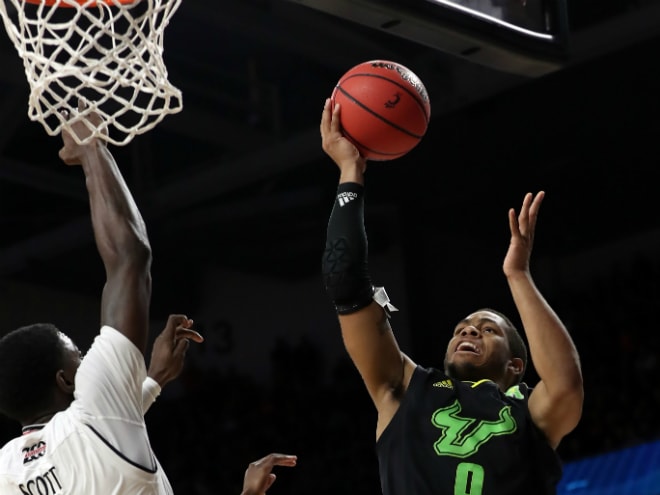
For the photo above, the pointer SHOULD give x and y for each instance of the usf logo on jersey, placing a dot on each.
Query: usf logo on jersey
(461, 436)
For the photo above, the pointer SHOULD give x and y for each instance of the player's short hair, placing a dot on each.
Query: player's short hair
(30, 357)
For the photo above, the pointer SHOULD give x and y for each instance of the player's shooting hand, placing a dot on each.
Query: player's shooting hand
(169, 350)
(522, 234)
(341, 150)
(259, 476)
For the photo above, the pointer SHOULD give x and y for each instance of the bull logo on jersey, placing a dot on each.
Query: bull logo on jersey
(462, 437)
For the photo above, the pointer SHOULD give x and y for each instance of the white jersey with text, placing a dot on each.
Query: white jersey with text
(99, 445)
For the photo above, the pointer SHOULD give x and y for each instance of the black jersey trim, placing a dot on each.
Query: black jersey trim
(132, 463)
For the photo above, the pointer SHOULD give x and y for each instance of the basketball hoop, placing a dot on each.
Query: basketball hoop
(82, 3)
(107, 52)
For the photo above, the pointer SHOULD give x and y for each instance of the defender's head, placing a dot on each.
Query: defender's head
(38, 364)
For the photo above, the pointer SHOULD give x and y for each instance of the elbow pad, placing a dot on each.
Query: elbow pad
(344, 265)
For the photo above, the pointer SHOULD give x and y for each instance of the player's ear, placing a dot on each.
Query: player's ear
(516, 366)
(64, 383)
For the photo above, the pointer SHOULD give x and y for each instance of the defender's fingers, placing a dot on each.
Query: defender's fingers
(188, 333)
(270, 480)
(180, 347)
(276, 459)
(173, 322)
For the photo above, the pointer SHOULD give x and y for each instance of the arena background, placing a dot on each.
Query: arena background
(236, 193)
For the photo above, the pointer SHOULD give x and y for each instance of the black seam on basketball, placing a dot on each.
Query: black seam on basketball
(379, 117)
(358, 142)
(416, 96)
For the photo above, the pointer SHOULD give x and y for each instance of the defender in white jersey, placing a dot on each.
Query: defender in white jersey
(83, 418)
(102, 423)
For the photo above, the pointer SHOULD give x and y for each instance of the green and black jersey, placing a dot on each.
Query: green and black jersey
(464, 438)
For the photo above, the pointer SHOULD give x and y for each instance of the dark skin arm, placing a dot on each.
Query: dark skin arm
(367, 335)
(555, 404)
(119, 231)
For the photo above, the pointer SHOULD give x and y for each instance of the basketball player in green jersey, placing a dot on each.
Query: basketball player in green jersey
(474, 427)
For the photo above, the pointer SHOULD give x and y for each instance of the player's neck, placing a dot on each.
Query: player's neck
(38, 422)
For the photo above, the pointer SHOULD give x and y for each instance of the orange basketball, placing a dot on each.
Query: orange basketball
(385, 109)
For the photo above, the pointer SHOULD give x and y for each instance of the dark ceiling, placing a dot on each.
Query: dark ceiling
(238, 178)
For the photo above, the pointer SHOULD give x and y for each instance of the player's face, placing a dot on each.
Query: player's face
(479, 348)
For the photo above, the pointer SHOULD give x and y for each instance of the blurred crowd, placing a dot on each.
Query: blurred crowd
(615, 327)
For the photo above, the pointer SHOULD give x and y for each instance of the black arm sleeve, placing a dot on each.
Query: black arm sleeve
(345, 273)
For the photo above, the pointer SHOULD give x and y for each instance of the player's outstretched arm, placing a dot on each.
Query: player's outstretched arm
(119, 231)
(556, 401)
(364, 323)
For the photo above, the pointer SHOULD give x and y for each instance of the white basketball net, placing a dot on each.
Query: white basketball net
(107, 53)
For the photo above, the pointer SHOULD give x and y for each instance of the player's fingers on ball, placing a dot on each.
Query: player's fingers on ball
(326, 116)
(334, 122)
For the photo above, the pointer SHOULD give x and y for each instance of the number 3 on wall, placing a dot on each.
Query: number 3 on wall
(469, 479)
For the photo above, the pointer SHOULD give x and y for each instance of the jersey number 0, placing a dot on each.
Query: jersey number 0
(469, 479)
